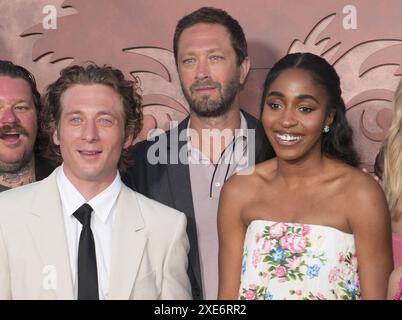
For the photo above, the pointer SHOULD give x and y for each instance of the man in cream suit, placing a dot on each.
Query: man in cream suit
(81, 233)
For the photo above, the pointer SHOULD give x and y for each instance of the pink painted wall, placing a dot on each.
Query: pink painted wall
(361, 38)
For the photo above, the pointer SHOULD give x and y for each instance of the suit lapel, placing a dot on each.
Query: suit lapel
(178, 173)
(48, 232)
(180, 187)
(128, 243)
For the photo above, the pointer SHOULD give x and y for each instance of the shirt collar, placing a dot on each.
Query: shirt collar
(243, 127)
(198, 156)
(241, 132)
(102, 203)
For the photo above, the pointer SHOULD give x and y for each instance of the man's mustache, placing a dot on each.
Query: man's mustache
(202, 84)
(13, 129)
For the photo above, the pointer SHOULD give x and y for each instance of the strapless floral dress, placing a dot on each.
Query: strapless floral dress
(298, 262)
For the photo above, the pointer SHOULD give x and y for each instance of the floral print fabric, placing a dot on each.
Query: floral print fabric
(298, 262)
(398, 296)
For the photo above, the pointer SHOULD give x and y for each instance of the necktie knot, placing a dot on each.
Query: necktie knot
(83, 214)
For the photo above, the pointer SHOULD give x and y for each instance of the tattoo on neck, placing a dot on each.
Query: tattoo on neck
(24, 176)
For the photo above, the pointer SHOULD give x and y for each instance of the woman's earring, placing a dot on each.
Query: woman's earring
(326, 129)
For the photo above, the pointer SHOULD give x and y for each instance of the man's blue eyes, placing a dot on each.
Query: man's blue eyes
(102, 121)
(212, 58)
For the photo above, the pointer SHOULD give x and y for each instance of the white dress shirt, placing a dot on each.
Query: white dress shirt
(104, 206)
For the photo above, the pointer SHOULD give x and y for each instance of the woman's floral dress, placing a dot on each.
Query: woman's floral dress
(298, 261)
(398, 296)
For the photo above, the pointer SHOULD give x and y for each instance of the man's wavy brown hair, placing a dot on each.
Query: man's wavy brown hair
(129, 92)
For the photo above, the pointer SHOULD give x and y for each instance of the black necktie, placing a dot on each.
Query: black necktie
(87, 270)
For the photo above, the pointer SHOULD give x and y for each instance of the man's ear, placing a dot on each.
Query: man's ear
(128, 141)
(244, 69)
(55, 137)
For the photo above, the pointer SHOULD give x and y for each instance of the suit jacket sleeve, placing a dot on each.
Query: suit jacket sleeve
(176, 284)
(5, 289)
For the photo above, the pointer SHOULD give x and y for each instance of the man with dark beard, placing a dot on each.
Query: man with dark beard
(19, 110)
(187, 167)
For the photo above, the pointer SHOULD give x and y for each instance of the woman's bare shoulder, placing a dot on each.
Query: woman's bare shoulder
(362, 184)
(247, 181)
(362, 196)
(256, 173)
(354, 179)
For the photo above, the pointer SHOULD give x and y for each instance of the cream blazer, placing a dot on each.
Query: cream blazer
(149, 247)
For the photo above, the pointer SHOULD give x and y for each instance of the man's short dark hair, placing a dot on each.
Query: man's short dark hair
(128, 91)
(213, 16)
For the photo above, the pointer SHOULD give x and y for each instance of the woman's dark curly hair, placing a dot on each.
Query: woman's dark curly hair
(129, 92)
(338, 142)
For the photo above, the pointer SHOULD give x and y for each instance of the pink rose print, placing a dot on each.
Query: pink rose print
(357, 279)
(333, 275)
(353, 262)
(277, 230)
(293, 263)
(266, 246)
(280, 271)
(305, 230)
(249, 295)
(256, 257)
(295, 244)
(258, 237)
(346, 272)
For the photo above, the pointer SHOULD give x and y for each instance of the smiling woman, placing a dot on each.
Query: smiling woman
(307, 232)
(295, 114)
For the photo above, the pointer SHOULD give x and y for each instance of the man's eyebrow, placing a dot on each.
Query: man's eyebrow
(105, 113)
(100, 113)
(73, 112)
(209, 51)
(21, 100)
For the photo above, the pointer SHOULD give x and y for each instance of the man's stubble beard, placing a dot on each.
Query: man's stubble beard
(15, 167)
(214, 108)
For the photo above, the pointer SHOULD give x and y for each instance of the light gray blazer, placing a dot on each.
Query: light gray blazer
(149, 247)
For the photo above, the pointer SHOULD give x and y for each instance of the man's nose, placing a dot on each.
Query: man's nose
(8, 116)
(90, 131)
(203, 71)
